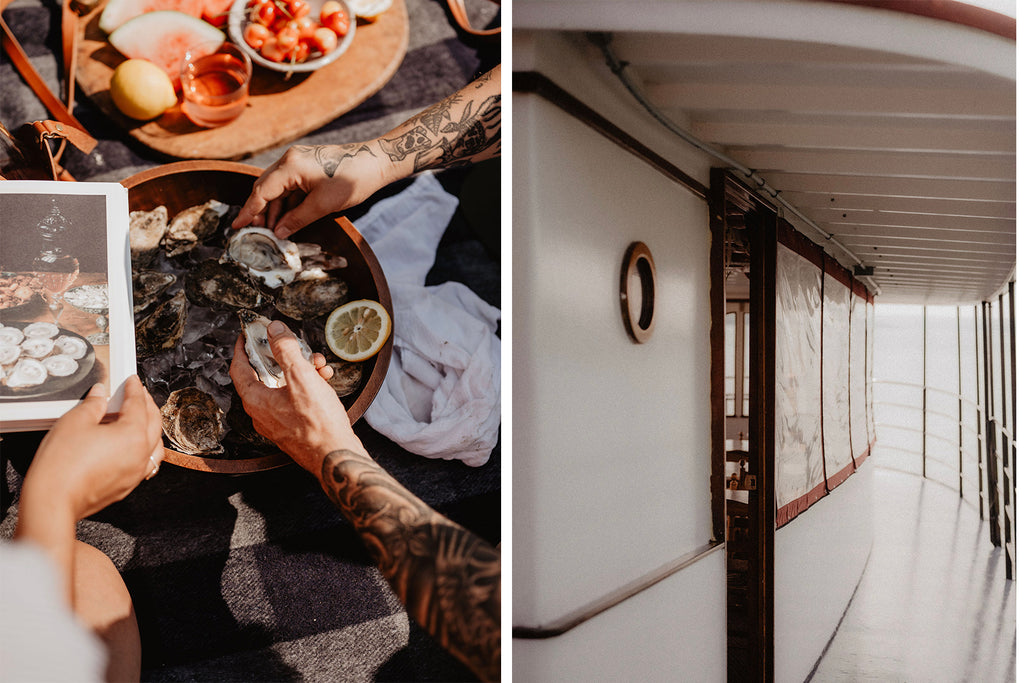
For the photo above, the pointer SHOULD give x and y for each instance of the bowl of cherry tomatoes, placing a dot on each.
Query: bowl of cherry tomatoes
(292, 36)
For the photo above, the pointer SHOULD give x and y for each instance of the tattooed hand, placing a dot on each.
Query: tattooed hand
(308, 183)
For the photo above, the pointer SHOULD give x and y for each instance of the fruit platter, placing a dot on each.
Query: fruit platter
(291, 92)
(198, 285)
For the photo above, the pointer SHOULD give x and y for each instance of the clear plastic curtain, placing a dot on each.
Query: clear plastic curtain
(835, 371)
(858, 378)
(799, 475)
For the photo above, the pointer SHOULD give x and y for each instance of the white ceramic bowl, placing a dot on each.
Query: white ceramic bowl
(237, 20)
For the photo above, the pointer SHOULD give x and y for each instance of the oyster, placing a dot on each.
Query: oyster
(36, 347)
(274, 261)
(193, 422)
(9, 353)
(60, 365)
(147, 286)
(43, 330)
(305, 299)
(242, 428)
(27, 373)
(222, 285)
(346, 378)
(162, 329)
(316, 262)
(192, 226)
(146, 229)
(11, 335)
(75, 347)
(257, 347)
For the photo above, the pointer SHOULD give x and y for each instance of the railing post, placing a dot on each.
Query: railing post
(924, 392)
(977, 411)
(990, 438)
(959, 406)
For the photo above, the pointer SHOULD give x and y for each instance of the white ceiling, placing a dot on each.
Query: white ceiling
(906, 156)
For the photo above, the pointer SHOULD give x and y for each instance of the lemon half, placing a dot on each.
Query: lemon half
(357, 330)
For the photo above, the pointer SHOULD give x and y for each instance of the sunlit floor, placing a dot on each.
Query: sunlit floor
(934, 603)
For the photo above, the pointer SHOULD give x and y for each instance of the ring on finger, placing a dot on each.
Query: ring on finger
(156, 467)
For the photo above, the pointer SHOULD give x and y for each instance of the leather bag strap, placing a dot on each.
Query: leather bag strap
(458, 10)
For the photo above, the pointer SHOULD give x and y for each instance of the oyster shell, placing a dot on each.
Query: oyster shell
(193, 422)
(257, 348)
(274, 261)
(147, 286)
(346, 378)
(11, 335)
(9, 353)
(146, 229)
(222, 285)
(76, 347)
(60, 365)
(44, 330)
(316, 262)
(162, 329)
(36, 347)
(305, 299)
(28, 372)
(192, 226)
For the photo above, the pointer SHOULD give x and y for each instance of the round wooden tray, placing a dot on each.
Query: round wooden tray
(279, 110)
(186, 183)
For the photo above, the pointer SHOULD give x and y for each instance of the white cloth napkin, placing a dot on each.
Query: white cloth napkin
(441, 397)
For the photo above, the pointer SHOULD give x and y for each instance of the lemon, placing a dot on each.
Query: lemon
(141, 89)
(357, 330)
(369, 9)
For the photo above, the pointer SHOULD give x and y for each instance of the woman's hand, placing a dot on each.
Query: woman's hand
(90, 465)
(304, 417)
(307, 183)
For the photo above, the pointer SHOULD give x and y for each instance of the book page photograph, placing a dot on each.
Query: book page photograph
(63, 297)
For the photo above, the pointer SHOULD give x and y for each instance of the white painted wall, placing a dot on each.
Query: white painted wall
(819, 558)
(611, 461)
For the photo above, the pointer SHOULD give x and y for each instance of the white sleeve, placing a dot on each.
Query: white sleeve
(40, 638)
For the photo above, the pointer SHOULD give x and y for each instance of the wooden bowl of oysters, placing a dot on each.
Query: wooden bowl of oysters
(193, 296)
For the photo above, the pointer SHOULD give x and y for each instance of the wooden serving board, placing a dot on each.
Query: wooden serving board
(279, 110)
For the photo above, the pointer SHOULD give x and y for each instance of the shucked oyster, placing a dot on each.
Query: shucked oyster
(192, 226)
(346, 377)
(316, 262)
(146, 229)
(305, 299)
(257, 347)
(193, 422)
(222, 285)
(162, 329)
(147, 286)
(274, 261)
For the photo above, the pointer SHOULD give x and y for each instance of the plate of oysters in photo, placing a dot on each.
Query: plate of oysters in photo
(197, 284)
(41, 361)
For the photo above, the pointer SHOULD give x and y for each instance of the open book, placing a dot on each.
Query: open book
(65, 298)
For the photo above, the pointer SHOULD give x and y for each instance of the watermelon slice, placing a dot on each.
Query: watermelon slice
(119, 11)
(162, 38)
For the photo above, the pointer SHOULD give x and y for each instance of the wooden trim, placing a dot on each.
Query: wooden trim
(839, 477)
(538, 84)
(862, 458)
(763, 254)
(716, 213)
(947, 10)
(791, 510)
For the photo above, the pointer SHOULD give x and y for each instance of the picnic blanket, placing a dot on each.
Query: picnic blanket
(257, 577)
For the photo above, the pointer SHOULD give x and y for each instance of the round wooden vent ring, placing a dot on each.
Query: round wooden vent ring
(636, 291)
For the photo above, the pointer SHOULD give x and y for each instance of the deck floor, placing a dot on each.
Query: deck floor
(933, 603)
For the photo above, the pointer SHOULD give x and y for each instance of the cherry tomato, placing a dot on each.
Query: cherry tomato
(329, 8)
(255, 35)
(264, 12)
(272, 51)
(299, 53)
(324, 40)
(338, 23)
(297, 8)
(307, 26)
(287, 38)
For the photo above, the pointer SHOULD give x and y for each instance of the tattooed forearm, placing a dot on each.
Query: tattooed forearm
(448, 578)
(461, 129)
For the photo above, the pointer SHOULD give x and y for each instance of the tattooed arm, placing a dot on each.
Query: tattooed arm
(309, 182)
(448, 578)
